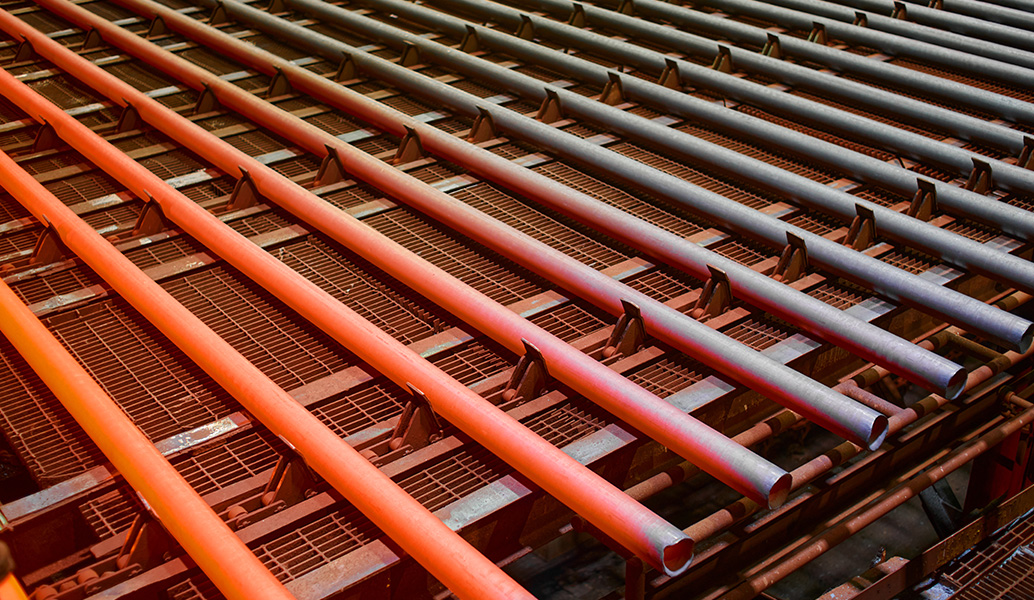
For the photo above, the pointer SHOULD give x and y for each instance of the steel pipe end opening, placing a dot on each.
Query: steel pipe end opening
(957, 383)
(880, 427)
(1024, 344)
(678, 556)
(780, 491)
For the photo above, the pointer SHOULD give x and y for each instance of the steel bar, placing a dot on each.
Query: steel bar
(887, 280)
(658, 419)
(638, 529)
(466, 572)
(987, 11)
(951, 25)
(815, 316)
(206, 538)
(869, 169)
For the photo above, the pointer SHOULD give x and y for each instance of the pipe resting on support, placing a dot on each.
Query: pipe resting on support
(465, 571)
(224, 558)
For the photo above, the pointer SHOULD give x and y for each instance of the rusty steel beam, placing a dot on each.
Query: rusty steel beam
(661, 421)
(206, 538)
(637, 528)
(971, 314)
(813, 315)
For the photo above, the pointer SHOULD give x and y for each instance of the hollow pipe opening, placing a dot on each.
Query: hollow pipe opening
(880, 428)
(678, 556)
(957, 384)
(780, 491)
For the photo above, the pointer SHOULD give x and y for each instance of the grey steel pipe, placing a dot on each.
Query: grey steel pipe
(922, 15)
(1024, 5)
(813, 315)
(885, 279)
(991, 12)
(886, 42)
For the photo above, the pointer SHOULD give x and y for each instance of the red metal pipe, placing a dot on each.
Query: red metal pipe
(713, 452)
(207, 539)
(635, 527)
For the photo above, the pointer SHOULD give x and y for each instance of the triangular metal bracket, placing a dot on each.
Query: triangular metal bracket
(146, 545)
(1026, 160)
(529, 376)
(924, 201)
(526, 30)
(577, 18)
(24, 52)
(723, 62)
(93, 40)
(331, 169)
(410, 149)
(900, 11)
(716, 297)
(860, 19)
(936, 4)
(276, 7)
(347, 70)
(818, 34)
(613, 93)
(550, 111)
(483, 128)
(157, 28)
(129, 120)
(773, 48)
(470, 42)
(410, 55)
(206, 101)
(670, 75)
(418, 426)
(626, 7)
(979, 178)
(219, 15)
(291, 482)
(49, 248)
(151, 220)
(629, 334)
(46, 138)
(279, 85)
(245, 194)
(862, 233)
(793, 262)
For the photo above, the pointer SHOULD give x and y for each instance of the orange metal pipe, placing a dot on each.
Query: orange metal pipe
(10, 589)
(467, 573)
(207, 539)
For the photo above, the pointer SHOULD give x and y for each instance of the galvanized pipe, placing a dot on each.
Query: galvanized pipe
(435, 546)
(765, 133)
(959, 125)
(815, 316)
(683, 434)
(888, 280)
(947, 58)
(990, 12)
(224, 558)
(879, 17)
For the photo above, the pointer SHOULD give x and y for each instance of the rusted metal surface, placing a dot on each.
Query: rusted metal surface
(569, 227)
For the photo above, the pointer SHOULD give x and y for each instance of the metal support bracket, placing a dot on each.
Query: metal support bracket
(670, 75)
(526, 30)
(979, 178)
(629, 334)
(291, 482)
(49, 248)
(1026, 160)
(276, 7)
(936, 4)
(793, 262)
(626, 7)
(147, 545)
(245, 194)
(550, 111)
(723, 62)
(773, 48)
(862, 233)
(152, 219)
(900, 11)
(613, 93)
(529, 376)
(347, 70)
(860, 19)
(716, 297)
(157, 28)
(410, 149)
(483, 128)
(206, 102)
(924, 201)
(93, 40)
(129, 119)
(577, 18)
(410, 55)
(24, 52)
(279, 85)
(331, 169)
(470, 42)
(418, 426)
(46, 138)
(818, 34)
(219, 15)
